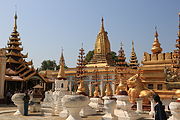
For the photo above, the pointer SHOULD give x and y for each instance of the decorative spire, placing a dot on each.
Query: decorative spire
(14, 55)
(61, 73)
(132, 46)
(156, 49)
(15, 22)
(80, 73)
(133, 59)
(102, 25)
(121, 57)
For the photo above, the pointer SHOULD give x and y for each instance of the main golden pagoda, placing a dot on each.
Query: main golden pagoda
(102, 49)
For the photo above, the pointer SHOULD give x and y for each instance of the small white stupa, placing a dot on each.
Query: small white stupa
(61, 87)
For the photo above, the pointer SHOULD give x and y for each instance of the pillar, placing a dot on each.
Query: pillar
(90, 88)
(113, 88)
(139, 105)
(2, 71)
(152, 108)
(101, 88)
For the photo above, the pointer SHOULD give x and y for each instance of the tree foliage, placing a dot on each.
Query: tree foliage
(48, 65)
(58, 67)
(113, 56)
(89, 56)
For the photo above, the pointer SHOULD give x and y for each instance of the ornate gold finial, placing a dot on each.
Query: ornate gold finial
(132, 46)
(156, 49)
(61, 73)
(102, 25)
(15, 22)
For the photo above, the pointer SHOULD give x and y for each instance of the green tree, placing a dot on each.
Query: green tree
(48, 65)
(89, 56)
(58, 66)
(113, 56)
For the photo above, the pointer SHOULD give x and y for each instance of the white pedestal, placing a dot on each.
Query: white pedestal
(175, 110)
(18, 101)
(123, 110)
(87, 110)
(109, 106)
(139, 105)
(57, 97)
(36, 107)
(151, 113)
(74, 103)
(64, 113)
(166, 102)
(96, 103)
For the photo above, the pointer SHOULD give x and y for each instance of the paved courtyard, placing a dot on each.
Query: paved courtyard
(6, 113)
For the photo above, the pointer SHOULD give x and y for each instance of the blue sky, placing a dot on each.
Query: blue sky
(47, 25)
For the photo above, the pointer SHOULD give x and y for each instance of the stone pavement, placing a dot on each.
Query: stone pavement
(6, 113)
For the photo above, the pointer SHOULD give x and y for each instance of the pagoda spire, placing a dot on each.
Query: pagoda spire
(14, 55)
(156, 49)
(133, 59)
(102, 48)
(15, 22)
(121, 57)
(102, 25)
(61, 73)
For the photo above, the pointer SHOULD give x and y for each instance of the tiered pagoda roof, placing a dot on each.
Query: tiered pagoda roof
(121, 58)
(14, 49)
(133, 59)
(15, 62)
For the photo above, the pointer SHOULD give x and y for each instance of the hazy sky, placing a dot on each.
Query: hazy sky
(47, 25)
